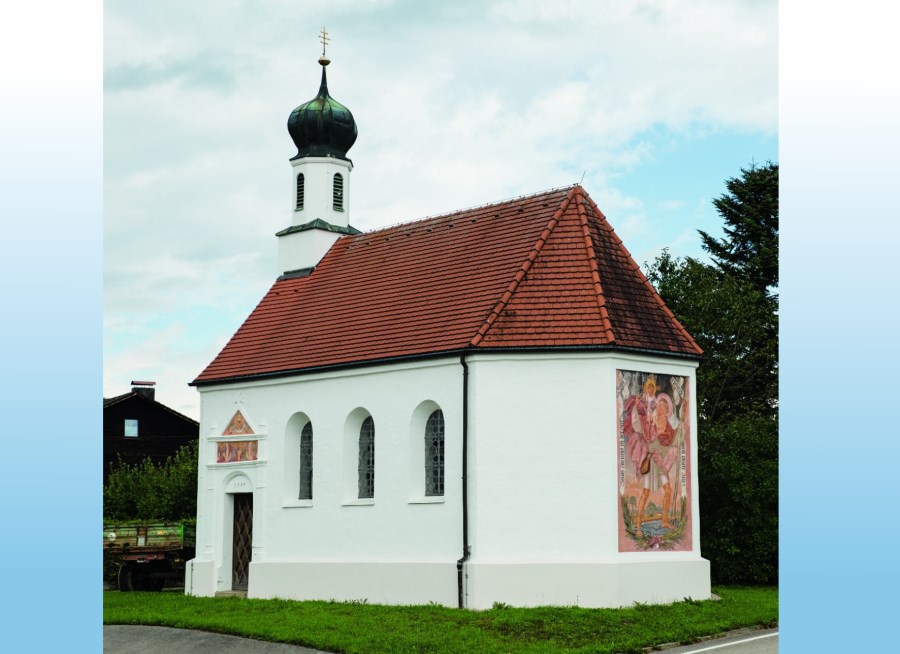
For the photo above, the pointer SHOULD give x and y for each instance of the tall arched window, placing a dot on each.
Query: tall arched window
(366, 466)
(338, 192)
(434, 454)
(300, 191)
(306, 462)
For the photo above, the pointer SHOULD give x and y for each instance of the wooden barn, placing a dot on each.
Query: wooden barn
(136, 426)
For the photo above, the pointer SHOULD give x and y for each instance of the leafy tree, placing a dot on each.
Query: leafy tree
(738, 471)
(730, 307)
(734, 323)
(146, 491)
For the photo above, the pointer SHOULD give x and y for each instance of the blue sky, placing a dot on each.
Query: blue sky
(654, 103)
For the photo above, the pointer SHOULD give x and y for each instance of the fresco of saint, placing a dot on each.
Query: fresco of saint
(236, 451)
(653, 433)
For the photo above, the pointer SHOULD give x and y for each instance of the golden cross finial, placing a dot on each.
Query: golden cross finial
(323, 37)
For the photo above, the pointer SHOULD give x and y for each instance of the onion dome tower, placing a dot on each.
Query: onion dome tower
(323, 130)
(322, 127)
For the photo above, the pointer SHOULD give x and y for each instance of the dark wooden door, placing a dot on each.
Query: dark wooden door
(242, 540)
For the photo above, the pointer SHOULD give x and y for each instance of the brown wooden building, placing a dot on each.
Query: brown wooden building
(136, 426)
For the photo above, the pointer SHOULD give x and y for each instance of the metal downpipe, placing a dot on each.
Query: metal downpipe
(465, 484)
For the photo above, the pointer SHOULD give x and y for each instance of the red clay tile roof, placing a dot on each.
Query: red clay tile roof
(540, 271)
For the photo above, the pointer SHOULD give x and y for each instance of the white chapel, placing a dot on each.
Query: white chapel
(492, 405)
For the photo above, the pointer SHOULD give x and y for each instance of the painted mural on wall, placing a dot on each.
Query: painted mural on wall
(237, 426)
(654, 462)
(235, 451)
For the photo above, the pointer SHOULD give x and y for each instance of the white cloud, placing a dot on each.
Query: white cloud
(456, 106)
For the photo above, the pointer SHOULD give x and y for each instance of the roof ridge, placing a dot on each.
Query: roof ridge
(523, 269)
(456, 212)
(595, 270)
(115, 399)
(642, 276)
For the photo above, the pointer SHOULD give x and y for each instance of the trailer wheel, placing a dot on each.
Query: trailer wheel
(134, 576)
(147, 581)
(127, 577)
(153, 585)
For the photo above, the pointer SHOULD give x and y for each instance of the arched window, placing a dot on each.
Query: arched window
(306, 462)
(366, 467)
(300, 192)
(338, 192)
(434, 454)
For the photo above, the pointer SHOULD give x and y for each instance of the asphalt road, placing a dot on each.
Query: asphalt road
(755, 642)
(134, 639)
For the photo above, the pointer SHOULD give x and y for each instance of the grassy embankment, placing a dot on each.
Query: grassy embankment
(357, 628)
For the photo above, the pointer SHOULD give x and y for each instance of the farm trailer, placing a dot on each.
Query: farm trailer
(149, 554)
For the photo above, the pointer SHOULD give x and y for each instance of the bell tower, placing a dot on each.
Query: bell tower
(323, 130)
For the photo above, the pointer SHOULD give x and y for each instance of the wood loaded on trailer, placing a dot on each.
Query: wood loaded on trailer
(149, 554)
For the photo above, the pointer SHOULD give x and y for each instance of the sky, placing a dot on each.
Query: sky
(652, 105)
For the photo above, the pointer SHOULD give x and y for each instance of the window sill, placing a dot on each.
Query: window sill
(237, 464)
(434, 499)
(297, 504)
(367, 501)
(236, 438)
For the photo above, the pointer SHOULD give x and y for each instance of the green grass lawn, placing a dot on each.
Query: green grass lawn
(368, 629)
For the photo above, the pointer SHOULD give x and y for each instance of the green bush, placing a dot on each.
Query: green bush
(738, 477)
(150, 492)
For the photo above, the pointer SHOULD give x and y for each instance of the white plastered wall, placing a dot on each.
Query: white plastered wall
(543, 502)
(305, 249)
(398, 548)
(543, 498)
(318, 173)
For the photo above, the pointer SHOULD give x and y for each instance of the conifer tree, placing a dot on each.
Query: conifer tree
(750, 211)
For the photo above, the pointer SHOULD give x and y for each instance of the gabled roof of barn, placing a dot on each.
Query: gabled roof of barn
(545, 271)
(135, 396)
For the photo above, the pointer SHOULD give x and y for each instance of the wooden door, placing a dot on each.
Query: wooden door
(242, 548)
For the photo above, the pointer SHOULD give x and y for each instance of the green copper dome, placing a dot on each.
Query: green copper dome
(322, 127)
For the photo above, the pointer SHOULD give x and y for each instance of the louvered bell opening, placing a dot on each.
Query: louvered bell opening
(300, 192)
(338, 192)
